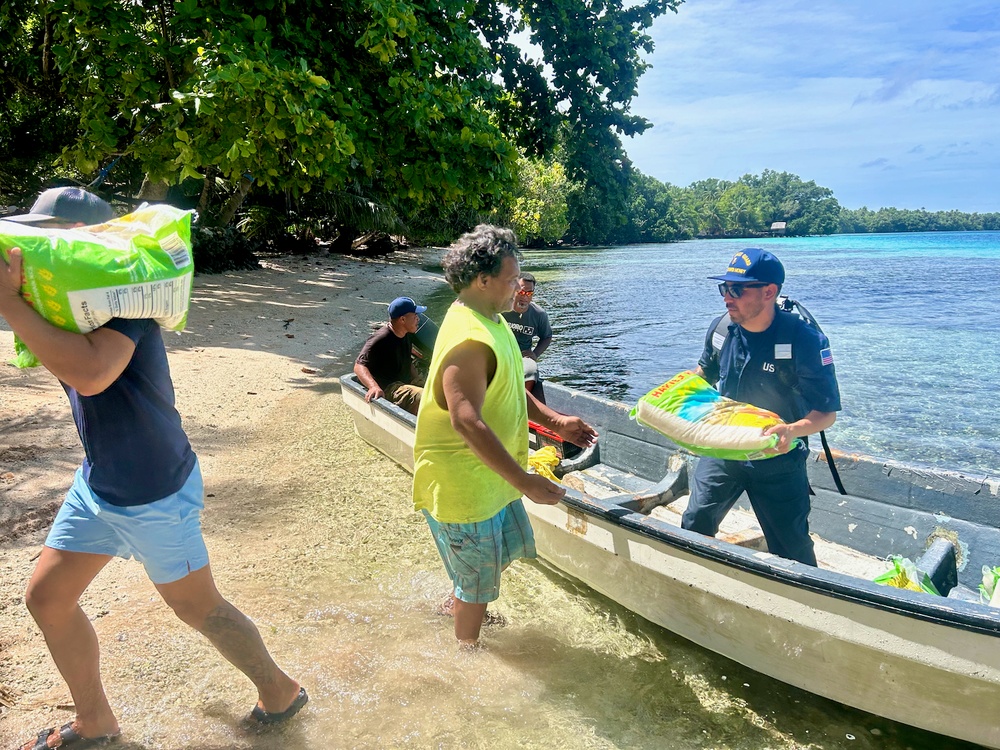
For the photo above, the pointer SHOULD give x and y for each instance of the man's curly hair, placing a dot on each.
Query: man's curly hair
(480, 251)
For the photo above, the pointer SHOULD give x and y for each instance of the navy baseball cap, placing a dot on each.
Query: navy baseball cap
(754, 264)
(403, 305)
(70, 204)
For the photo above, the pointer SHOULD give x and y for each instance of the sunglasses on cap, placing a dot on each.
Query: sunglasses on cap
(736, 290)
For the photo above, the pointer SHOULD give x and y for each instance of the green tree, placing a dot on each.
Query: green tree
(658, 212)
(705, 196)
(739, 208)
(418, 107)
(538, 211)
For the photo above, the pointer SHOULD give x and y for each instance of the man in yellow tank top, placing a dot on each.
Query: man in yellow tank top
(471, 449)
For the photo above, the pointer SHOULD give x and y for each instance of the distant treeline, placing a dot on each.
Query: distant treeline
(748, 207)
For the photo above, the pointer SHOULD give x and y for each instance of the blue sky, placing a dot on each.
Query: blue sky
(885, 102)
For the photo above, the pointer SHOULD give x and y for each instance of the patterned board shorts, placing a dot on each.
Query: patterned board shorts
(475, 554)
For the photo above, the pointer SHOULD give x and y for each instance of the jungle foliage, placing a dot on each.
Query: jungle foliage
(331, 118)
(750, 206)
(293, 121)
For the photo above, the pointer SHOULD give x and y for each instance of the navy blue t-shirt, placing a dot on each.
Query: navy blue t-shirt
(137, 452)
(787, 369)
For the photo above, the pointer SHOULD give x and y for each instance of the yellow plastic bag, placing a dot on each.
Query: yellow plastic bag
(543, 461)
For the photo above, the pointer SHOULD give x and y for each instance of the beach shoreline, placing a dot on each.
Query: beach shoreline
(311, 532)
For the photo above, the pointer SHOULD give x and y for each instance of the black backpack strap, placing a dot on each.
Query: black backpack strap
(788, 374)
(787, 323)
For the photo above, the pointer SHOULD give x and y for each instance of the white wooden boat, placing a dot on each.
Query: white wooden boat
(927, 661)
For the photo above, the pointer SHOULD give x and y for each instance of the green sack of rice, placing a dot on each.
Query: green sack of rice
(135, 266)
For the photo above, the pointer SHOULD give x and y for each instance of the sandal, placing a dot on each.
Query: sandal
(69, 738)
(266, 717)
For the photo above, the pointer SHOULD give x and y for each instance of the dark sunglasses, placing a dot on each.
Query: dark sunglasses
(736, 290)
(525, 293)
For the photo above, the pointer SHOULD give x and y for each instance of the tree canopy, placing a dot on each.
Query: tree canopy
(750, 206)
(419, 107)
(420, 118)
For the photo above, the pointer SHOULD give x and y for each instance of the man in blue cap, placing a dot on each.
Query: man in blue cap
(777, 361)
(385, 365)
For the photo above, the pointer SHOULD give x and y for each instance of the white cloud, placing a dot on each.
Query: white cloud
(910, 89)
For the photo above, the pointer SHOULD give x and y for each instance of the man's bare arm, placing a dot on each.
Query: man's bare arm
(87, 362)
(465, 375)
(573, 429)
(540, 348)
(368, 381)
(810, 424)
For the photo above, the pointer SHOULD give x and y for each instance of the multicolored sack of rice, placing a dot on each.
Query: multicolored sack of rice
(689, 411)
(135, 266)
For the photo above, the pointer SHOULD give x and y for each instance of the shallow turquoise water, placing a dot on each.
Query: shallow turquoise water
(909, 317)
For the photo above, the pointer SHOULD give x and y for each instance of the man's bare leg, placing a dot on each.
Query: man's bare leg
(196, 601)
(53, 595)
(468, 621)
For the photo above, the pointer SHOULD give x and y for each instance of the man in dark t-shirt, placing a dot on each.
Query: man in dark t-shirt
(528, 322)
(138, 494)
(385, 365)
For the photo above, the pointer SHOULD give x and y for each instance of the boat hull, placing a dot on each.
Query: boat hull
(920, 673)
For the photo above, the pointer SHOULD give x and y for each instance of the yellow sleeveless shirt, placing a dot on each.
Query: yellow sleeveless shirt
(449, 480)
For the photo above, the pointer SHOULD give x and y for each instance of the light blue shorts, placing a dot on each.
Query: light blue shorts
(475, 554)
(165, 535)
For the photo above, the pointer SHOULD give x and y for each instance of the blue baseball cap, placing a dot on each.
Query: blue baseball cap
(754, 264)
(403, 305)
(70, 204)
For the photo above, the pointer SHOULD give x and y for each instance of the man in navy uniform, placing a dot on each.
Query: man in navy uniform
(777, 361)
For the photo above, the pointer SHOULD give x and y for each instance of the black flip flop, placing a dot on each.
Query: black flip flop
(266, 717)
(70, 738)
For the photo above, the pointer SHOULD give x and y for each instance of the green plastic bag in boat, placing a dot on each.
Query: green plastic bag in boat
(904, 574)
(135, 266)
(989, 589)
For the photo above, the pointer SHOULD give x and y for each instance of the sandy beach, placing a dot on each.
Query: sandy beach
(256, 380)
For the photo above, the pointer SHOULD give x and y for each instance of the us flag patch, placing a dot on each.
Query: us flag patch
(825, 357)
